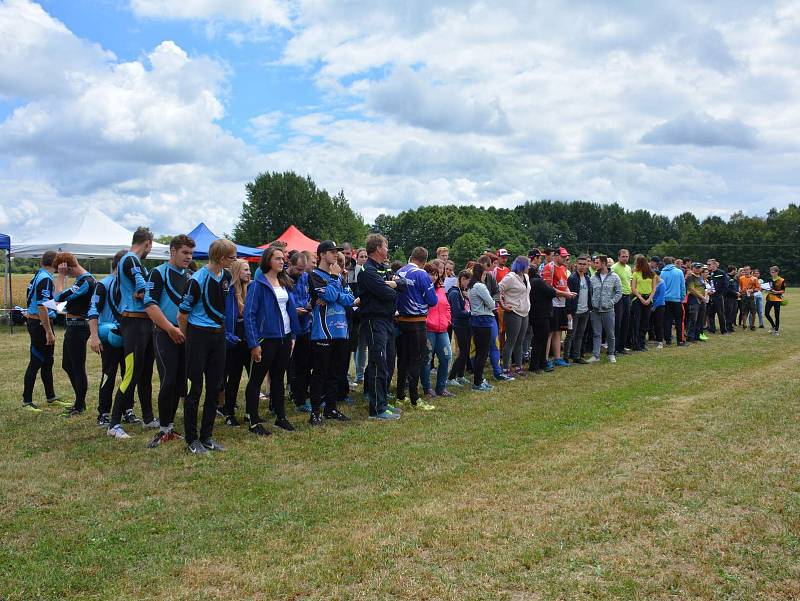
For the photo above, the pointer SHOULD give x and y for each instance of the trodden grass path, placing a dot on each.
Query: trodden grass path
(673, 475)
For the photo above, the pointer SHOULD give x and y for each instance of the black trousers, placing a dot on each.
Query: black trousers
(205, 361)
(731, 310)
(275, 354)
(112, 359)
(73, 359)
(673, 314)
(412, 349)
(41, 360)
(776, 305)
(541, 337)
(137, 341)
(640, 318)
(716, 308)
(622, 321)
(300, 369)
(463, 338)
(330, 359)
(692, 321)
(237, 360)
(171, 365)
(380, 340)
(483, 338)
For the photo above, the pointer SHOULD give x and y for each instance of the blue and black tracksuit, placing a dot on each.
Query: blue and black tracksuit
(204, 303)
(73, 360)
(377, 308)
(40, 290)
(137, 340)
(105, 309)
(330, 340)
(265, 327)
(165, 288)
(300, 361)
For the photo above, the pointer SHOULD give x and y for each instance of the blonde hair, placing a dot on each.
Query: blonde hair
(239, 287)
(219, 249)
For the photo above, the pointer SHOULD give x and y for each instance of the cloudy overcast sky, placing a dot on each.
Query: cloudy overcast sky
(159, 111)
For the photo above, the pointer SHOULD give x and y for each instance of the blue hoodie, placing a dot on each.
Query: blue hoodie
(329, 321)
(658, 295)
(419, 293)
(262, 315)
(674, 284)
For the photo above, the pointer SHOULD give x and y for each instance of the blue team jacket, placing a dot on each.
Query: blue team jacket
(419, 293)
(262, 315)
(302, 298)
(329, 321)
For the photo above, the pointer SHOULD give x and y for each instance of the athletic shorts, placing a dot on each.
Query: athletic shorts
(558, 321)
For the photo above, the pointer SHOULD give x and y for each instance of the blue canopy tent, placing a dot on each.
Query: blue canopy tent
(203, 237)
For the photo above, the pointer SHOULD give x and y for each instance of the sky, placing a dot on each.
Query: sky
(158, 112)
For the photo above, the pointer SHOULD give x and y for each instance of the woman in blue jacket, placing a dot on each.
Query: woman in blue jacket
(459, 312)
(270, 325)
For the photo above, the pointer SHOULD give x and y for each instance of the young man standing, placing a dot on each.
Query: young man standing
(674, 292)
(606, 292)
(578, 307)
(40, 330)
(78, 299)
(167, 285)
(748, 286)
(201, 318)
(378, 294)
(716, 306)
(696, 291)
(412, 307)
(104, 316)
(330, 338)
(137, 335)
(555, 275)
(300, 362)
(622, 312)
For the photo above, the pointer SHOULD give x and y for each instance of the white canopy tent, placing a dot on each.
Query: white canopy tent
(94, 235)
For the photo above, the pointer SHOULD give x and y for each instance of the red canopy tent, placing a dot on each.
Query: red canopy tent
(294, 239)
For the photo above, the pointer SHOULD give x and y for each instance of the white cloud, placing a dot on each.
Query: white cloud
(267, 12)
(701, 129)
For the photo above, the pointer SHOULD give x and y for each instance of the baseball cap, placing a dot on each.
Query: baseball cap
(534, 252)
(502, 252)
(655, 259)
(698, 265)
(563, 251)
(327, 245)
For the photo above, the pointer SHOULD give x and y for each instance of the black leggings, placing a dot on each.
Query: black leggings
(171, 365)
(137, 340)
(41, 359)
(483, 337)
(73, 360)
(112, 359)
(540, 327)
(274, 360)
(462, 335)
(776, 325)
(237, 360)
(205, 361)
(330, 359)
(300, 369)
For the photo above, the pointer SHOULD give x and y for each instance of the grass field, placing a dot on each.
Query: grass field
(673, 475)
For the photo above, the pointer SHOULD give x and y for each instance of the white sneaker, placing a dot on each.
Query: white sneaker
(660, 345)
(117, 432)
(454, 382)
(593, 359)
(612, 359)
(152, 424)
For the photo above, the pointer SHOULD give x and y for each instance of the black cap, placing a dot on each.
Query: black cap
(655, 259)
(534, 252)
(697, 265)
(327, 245)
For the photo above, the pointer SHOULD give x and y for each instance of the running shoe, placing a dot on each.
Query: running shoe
(501, 377)
(259, 430)
(463, 381)
(56, 400)
(212, 445)
(158, 439)
(561, 363)
(702, 337)
(103, 419)
(152, 424)
(284, 424)
(446, 393)
(580, 361)
(386, 416)
(117, 432)
(612, 359)
(315, 419)
(393, 409)
(72, 412)
(230, 420)
(304, 408)
(337, 415)
(31, 406)
(196, 448)
(424, 406)
(173, 435)
(593, 359)
(454, 382)
(430, 394)
(220, 413)
(129, 417)
(482, 387)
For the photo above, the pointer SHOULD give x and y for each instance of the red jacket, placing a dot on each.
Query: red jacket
(439, 315)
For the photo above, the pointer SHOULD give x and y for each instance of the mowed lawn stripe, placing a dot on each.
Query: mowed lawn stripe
(479, 499)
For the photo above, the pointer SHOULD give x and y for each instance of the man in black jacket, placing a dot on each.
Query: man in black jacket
(716, 306)
(378, 290)
(578, 309)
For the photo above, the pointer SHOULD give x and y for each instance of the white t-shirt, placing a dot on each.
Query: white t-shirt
(283, 298)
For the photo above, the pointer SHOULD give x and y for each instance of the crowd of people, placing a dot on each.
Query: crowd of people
(302, 318)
